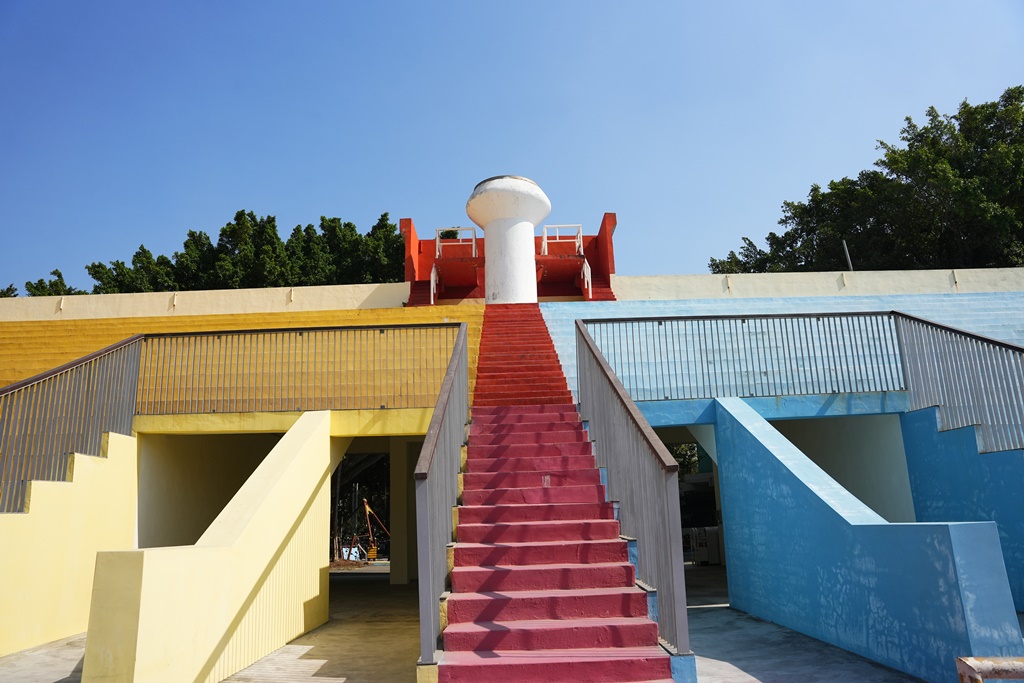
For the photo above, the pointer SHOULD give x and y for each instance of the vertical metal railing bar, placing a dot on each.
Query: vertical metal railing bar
(642, 476)
(436, 485)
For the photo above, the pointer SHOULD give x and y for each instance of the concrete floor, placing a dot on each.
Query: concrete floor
(374, 630)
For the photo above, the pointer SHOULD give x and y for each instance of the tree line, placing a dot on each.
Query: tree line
(249, 253)
(951, 197)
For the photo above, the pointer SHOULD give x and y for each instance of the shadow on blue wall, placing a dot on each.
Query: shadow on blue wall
(951, 482)
(805, 553)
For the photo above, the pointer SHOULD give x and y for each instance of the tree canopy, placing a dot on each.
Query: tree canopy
(250, 253)
(952, 197)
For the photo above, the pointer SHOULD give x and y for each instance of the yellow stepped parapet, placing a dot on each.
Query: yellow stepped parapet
(50, 550)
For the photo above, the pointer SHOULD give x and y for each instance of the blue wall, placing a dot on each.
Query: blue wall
(804, 553)
(951, 481)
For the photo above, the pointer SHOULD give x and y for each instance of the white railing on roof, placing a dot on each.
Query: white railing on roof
(433, 283)
(575, 236)
(442, 242)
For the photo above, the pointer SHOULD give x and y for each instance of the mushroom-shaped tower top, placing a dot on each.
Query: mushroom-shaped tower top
(507, 196)
(509, 208)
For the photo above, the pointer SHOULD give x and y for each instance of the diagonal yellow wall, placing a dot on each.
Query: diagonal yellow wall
(49, 552)
(256, 579)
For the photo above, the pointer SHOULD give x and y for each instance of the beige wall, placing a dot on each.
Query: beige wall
(855, 283)
(47, 555)
(864, 453)
(207, 302)
(186, 480)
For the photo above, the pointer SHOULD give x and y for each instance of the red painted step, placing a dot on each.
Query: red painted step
(528, 436)
(517, 410)
(594, 665)
(477, 481)
(558, 552)
(593, 493)
(529, 450)
(543, 577)
(532, 532)
(525, 418)
(545, 634)
(504, 428)
(483, 514)
(529, 464)
(594, 603)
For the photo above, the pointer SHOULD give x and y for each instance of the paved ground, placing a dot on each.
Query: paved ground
(372, 636)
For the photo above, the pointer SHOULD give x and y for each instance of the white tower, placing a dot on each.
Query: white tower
(508, 208)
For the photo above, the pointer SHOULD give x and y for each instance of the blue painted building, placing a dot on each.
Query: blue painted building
(863, 502)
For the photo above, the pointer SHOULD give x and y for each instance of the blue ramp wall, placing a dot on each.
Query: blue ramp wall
(805, 553)
(950, 481)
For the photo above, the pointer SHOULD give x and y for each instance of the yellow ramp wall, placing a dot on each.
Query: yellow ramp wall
(49, 552)
(254, 581)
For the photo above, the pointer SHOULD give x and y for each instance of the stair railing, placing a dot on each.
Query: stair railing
(972, 380)
(588, 280)
(46, 418)
(436, 476)
(643, 477)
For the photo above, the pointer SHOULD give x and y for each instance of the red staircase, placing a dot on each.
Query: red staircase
(542, 589)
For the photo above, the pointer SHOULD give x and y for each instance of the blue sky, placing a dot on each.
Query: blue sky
(126, 123)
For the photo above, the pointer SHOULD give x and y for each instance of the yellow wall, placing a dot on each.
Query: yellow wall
(48, 554)
(32, 346)
(256, 579)
(186, 480)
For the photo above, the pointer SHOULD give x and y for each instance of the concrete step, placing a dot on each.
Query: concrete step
(524, 409)
(517, 480)
(592, 493)
(525, 418)
(556, 552)
(524, 398)
(545, 634)
(545, 463)
(613, 665)
(530, 532)
(529, 450)
(594, 603)
(493, 514)
(532, 434)
(543, 577)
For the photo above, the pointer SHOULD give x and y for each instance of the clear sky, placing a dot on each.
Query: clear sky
(127, 123)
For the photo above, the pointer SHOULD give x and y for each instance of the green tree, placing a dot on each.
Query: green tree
(951, 197)
(52, 287)
(9, 291)
(250, 253)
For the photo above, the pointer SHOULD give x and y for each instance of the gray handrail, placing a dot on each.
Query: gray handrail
(436, 481)
(971, 380)
(46, 418)
(643, 477)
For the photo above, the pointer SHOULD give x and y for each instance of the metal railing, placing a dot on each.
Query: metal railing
(441, 242)
(770, 355)
(972, 380)
(437, 476)
(46, 418)
(642, 476)
(575, 236)
(337, 368)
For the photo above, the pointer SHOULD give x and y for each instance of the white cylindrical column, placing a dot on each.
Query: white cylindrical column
(508, 208)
